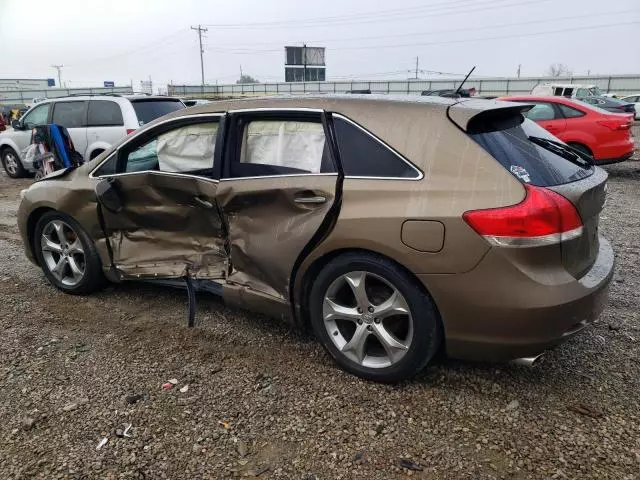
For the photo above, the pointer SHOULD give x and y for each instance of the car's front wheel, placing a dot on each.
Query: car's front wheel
(67, 255)
(373, 318)
(11, 163)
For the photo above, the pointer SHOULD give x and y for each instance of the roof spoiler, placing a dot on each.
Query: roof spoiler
(470, 114)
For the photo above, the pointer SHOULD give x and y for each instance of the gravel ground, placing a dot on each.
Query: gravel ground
(266, 402)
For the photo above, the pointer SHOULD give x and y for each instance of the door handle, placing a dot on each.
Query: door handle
(311, 200)
(202, 202)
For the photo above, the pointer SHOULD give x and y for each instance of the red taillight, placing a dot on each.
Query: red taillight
(615, 124)
(543, 217)
(130, 131)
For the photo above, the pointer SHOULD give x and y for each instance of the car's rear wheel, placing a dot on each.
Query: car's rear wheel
(373, 318)
(67, 255)
(11, 163)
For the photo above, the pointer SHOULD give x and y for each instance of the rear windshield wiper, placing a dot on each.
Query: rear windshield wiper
(565, 151)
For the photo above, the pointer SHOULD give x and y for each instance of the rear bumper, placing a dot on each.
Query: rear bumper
(514, 314)
(608, 161)
(613, 151)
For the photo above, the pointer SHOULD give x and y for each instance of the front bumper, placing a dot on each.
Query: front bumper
(498, 317)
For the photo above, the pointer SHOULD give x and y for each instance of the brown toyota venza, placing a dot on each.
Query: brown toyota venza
(391, 226)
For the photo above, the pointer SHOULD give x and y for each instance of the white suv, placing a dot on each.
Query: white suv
(94, 124)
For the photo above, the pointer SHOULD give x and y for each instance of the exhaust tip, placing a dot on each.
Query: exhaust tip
(528, 361)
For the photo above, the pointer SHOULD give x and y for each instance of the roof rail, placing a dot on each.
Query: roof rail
(88, 95)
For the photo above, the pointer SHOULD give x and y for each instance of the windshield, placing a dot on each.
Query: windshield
(595, 91)
(149, 110)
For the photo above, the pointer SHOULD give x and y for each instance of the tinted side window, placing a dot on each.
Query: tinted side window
(69, 114)
(541, 112)
(103, 113)
(363, 155)
(569, 112)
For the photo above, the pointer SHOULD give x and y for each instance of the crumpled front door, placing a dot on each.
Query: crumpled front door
(168, 227)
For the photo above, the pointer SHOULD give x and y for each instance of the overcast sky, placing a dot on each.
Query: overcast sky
(130, 40)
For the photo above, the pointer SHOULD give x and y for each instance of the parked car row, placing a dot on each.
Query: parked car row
(602, 135)
(589, 94)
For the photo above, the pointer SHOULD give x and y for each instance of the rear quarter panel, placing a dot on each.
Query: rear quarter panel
(458, 176)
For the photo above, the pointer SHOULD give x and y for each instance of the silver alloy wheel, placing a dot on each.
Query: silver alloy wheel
(62, 252)
(11, 163)
(368, 319)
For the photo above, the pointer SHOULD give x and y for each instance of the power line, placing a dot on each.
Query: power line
(375, 17)
(345, 17)
(200, 30)
(450, 42)
(152, 45)
(436, 32)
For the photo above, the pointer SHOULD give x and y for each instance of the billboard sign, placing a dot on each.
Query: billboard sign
(109, 84)
(313, 56)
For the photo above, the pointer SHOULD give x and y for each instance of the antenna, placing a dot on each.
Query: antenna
(465, 79)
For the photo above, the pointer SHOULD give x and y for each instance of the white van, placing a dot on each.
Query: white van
(570, 90)
(94, 124)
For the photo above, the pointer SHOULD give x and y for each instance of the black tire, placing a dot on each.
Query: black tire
(11, 163)
(582, 148)
(93, 277)
(427, 330)
(95, 153)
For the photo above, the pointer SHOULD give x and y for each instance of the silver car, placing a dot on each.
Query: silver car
(94, 123)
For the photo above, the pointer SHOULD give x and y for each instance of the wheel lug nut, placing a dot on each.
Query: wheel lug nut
(370, 309)
(359, 310)
(369, 327)
(377, 320)
(359, 321)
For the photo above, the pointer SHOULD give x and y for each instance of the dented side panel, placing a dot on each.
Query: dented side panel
(268, 229)
(169, 225)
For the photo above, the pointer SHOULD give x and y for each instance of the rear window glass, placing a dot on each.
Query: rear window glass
(363, 155)
(532, 155)
(149, 110)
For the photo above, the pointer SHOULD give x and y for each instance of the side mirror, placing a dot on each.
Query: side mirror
(16, 125)
(109, 195)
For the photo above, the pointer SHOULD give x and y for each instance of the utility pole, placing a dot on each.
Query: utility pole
(417, 63)
(58, 67)
(200, 30)
(240, 72)
(304, 62)
(519, 66)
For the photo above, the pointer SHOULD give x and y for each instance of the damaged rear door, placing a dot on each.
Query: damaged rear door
(157, 197)
(277, 194)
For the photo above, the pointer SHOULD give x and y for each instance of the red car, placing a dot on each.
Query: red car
(605, 136)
